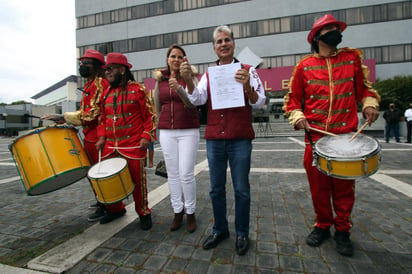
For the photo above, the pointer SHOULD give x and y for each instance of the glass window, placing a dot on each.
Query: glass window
(353, 16)
(236, 29)
(408, 52)
(395, 11)
(263, 27)
(397, 53)
(285, 24)
(385, 55)
(91, 20)
(366, 15)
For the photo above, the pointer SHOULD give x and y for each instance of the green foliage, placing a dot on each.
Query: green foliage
(396, 90)
(21, 102)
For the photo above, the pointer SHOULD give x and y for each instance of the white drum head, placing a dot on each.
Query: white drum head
(107, 168)
(340, 147)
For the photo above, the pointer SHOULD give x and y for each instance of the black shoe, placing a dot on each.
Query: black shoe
(317, 236)
(94, 206)
(111, 216)
(242, 245)
(213, 240)
(97, 215)
(343, 243)
(146, 222)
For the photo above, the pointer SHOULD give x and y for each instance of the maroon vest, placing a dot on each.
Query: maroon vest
(174, 114)
(230, 123)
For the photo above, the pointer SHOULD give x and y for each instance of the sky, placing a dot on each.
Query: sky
(37, 46)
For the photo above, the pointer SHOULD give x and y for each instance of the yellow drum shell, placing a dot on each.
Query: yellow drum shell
(111, 180)
(49, 158)
(349, 169)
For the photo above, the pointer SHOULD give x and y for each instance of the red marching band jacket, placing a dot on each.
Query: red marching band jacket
(90, 107)
(127, 117)
(326, 91)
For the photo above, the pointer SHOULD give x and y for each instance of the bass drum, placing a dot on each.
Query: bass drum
(49, 158)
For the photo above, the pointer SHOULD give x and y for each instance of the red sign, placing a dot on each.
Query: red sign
(277, 79)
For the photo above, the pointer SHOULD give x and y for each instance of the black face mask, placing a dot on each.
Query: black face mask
(332, 38)
(85, 71)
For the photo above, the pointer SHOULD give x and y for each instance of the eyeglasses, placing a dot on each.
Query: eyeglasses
(86, 62)
(110, 68)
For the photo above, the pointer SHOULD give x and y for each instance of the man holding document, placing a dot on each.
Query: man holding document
(230, 90)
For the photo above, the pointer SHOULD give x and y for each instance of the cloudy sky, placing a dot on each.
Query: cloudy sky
(37, 46)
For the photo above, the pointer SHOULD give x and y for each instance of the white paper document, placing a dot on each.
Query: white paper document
(225, 91)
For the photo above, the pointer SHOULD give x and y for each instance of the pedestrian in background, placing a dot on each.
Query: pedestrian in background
(408, 118)
(392, 117)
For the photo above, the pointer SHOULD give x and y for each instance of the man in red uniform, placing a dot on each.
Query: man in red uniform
(323, 93)
(127, 127)
(91, 68)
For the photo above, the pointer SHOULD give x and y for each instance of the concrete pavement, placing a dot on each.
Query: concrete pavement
(50, 232)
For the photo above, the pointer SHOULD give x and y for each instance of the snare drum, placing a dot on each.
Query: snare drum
(49, 158)
(111, 180)
(337, 157)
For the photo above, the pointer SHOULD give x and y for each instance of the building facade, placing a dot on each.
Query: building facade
(275, 31)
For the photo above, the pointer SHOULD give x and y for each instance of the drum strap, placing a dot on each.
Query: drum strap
(309, 138)
(313, 147)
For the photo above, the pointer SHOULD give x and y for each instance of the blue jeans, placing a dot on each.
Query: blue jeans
(238, 153)
(389, 128)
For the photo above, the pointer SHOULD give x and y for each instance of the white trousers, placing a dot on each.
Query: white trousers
(179, 148)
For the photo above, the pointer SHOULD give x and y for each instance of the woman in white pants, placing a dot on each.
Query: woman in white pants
(179, 137)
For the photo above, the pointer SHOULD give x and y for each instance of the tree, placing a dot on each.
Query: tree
(396, 90)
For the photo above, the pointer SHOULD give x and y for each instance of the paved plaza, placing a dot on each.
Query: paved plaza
(49, 233)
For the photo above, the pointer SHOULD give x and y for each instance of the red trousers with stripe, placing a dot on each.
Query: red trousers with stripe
(329, 195)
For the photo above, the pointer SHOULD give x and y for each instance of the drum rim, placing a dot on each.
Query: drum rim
(95, 166)
(347, 159)
(40, 129)
(373, 152)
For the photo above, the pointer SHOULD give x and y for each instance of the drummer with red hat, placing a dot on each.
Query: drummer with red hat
(324, 90)
(128, 125)
(91, 68)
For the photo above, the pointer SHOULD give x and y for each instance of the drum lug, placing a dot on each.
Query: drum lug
(315, 159)
(329, 164)
(365, 166)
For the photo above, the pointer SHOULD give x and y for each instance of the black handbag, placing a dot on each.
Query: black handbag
(161, 169)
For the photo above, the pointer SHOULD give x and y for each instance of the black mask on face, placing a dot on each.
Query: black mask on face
(85, 71)
(332, 38)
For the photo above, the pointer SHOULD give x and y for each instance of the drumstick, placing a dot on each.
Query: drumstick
(359, 130)
(100, 160)
(324, 132)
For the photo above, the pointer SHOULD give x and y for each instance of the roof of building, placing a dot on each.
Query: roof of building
(71, 78)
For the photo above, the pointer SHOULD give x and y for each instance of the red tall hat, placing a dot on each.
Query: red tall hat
(93, 54)
(117, 58)
(325, 20)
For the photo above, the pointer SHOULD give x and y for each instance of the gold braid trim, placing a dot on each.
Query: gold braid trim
(365, 72)
(152, 109)
(73, 118)
(94, 110)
